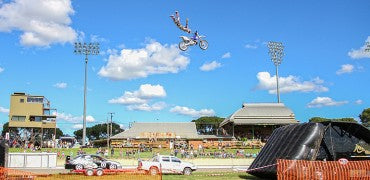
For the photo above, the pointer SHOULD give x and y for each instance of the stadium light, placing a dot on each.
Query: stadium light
(276, 52)
(85, 49)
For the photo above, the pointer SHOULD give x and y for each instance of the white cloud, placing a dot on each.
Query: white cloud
(192, 112)
(288, 84)
(360, 53)
(4, 110)
(324, 101)
(121, 126)
(139, 99)
(1, 69)
(154, 58)
(226, 55)
(73, 119)
(42, 22)
(146, 107)
(77, 126)
(141, 96)
(251, 46)
(346, 68)
(96, 38)
(210, 66)
(61, 85)
(151, 91)
(128, 98)
(359, 101)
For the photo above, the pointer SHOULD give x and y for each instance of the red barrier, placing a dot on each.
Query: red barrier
(328, 170)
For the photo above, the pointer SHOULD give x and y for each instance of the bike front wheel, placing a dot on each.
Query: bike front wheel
(203, 44)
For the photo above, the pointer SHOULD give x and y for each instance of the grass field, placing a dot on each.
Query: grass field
(194, 176)
(211, 176)
(118, 155)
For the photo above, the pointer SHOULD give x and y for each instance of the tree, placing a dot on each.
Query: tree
(58, 133)
(98, 131)
(78, 133)
(320, 119)
(208, 125)
(365, 117)
(5, 129)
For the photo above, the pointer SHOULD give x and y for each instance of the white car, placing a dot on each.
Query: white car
(167, 165)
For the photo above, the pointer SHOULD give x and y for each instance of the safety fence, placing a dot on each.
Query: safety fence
(13, 174)
(342, 169)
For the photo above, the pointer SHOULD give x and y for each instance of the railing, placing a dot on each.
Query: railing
(32, 160)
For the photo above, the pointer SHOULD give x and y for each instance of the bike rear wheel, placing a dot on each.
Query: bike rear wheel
(183, 46)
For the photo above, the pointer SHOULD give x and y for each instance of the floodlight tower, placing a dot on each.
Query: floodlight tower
(367, 49)
(86, 49)
(276, 51)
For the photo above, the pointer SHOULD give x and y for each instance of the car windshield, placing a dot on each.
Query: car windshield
(98, 158)
(78, 157)
(155, 159)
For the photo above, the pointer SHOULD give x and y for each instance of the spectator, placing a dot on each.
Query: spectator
(176, 152)
(112, 152)
(106, 153)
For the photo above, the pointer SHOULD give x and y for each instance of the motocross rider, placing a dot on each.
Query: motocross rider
(195, 37)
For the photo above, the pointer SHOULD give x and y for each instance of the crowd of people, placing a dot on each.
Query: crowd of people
(201, 153)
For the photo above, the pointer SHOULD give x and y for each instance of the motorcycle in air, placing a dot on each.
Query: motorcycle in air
(187, 41)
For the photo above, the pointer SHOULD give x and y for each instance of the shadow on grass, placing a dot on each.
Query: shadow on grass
(248, 176)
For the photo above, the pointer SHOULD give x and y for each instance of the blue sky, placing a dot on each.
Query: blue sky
(142, 76)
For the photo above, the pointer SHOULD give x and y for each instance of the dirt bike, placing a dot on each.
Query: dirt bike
(187, 41)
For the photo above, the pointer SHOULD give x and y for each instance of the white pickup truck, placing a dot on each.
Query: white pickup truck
(167, 165)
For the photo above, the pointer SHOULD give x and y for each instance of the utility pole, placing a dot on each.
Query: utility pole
(111, 124)
(86, 49)
(108, 133)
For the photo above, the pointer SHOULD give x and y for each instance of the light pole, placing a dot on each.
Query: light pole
(276, 51)
(86, 49)
(367, 49)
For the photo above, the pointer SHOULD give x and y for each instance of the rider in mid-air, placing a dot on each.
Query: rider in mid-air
(195, 37)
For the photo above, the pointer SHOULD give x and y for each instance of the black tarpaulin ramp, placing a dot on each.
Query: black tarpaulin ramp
(312, 141)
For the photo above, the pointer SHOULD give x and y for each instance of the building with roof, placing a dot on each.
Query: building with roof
(31, 119)
(160, 130)
(166, 134)
(257, 120)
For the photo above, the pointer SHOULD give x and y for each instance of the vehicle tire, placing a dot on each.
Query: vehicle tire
(153, 171)
(203, 44)
(187, 171)
(89, 172)
(112, 166)
(183, 46)
(99, 172)
(79, 167)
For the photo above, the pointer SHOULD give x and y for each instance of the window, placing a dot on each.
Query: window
(21, 100)
(18, 118)
(155, 159)
(36, 118)
(34, 99)
(165, 159)
(46, 111)
(175, 160)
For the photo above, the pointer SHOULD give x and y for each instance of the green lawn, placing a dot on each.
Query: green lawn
(211, 176)
(144, 155)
